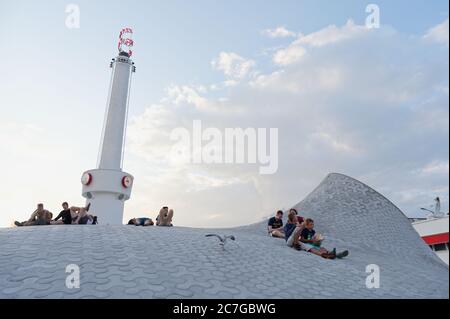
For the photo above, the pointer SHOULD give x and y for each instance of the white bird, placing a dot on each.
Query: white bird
(223, 240)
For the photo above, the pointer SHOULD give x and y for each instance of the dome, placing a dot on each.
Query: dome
(178, 262)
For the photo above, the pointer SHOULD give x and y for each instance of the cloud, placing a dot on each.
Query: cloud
(332, 34)
(438, 33)
(186, 94)
(279, 32)
(289, 55)
(436, 167)
(369, 103)
(233, 65)
(329, 35)
(328, 140)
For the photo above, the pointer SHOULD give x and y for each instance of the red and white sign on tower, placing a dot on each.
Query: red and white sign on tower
(125, 41)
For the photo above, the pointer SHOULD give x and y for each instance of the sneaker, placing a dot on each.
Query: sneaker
(297, 247)
(342, 254)
(18, 224)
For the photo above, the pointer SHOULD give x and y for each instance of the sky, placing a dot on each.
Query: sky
(371, 103)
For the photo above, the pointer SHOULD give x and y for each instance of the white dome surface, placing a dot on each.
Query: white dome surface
(156, 262)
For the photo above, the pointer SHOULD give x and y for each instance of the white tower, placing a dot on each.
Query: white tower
(108, 187)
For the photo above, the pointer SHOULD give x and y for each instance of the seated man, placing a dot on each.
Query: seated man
(301, 220)
(312, 244)
(65, 215)
(83, 218)
(40, 216)
(275, 225)
(165, 217)
(292, 231)
(142, 221)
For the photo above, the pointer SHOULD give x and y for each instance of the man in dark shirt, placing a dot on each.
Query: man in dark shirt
(311, 243)
(275, 225)
(65, 215)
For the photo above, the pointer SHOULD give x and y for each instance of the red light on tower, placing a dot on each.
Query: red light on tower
(86, 179)
(127, 181)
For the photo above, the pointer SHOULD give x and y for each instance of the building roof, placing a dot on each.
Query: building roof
(157, 262)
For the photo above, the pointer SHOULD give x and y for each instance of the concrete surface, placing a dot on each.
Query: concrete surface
(153, 262)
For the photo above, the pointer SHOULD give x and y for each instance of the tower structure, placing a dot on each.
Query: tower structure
(107, 187)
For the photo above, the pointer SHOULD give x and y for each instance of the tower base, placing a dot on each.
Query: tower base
(107, 207)
(107, 190)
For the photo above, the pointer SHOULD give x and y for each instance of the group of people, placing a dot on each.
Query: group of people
(80, 215)
(299, 234)
(68, 216)
(164, 218)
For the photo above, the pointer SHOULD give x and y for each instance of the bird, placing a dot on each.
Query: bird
(223, 240)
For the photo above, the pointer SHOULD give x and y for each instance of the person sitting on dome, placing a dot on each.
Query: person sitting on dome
(141, 221)
(312, 242)
(301, 220)
(82, 217)
(65, 216)
(292, 230)
(40, 216)
(275, 225)
(165, 217)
